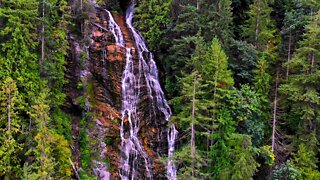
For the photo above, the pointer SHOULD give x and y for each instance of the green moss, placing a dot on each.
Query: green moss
(90, 93)
(82, 60)
(81, 100)
(62, 124)
(85, 176)
(107, 162)
(108, 141)
(80, 85)
(84, 145)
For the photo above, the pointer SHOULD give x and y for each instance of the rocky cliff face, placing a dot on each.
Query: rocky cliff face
(95, 72)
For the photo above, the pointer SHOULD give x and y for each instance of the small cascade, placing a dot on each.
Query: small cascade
(171, 167)
(115, 29)
(148, 72)
(142, 103)
(130, 144)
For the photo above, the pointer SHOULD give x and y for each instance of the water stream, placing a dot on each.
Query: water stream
(146, 71)
(138, 75)
(115, 29)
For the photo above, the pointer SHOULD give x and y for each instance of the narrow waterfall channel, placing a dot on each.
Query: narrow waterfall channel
(139, 73)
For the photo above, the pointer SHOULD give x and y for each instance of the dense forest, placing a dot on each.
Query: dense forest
(242, 78)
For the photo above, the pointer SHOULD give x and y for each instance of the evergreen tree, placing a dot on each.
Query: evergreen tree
(152, 19)
(218, 78)
(56, 13)
(19, 69)
(193, 116)
(259, 28)
(301, 89)
(18, 44)
(305, 161)
(51, 150)
(293, 28)
(232, 153)
(10, 127)
(218, 20)
(243, 62)
(190, 117)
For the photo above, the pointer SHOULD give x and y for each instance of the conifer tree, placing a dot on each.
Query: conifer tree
(259, 28)
(305, 161)
(193, 116)
(51, 150)
(218, 17)
(231, 153)
(56, 14)
(217, 76)
(10, 127)
(189, 118)
(152, 19)
(301, 89)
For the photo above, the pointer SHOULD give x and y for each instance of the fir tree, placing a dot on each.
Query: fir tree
(301, 88)
(10, 127)
(259, 28)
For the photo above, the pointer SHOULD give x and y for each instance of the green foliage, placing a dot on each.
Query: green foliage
(84, 145)
(183, 157)
(232, 153)
(84, 176)
(268, 156)
(62, 124)
(243, 62)
(18, 59)
(217, 19)
(46, 151)
(305, 161)
(301, 88)
(216, 66)
(286, 171)
(10, 128)
(110, 4)
(259, 28)
(153, 18)
(53, 67)
(250, 111)
(52, 150)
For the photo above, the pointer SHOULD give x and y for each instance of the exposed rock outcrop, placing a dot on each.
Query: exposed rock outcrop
(104, 65)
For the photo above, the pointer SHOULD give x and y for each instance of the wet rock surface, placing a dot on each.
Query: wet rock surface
(102, 77)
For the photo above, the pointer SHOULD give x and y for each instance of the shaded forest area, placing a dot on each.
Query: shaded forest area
(242, 78)
(243, 81)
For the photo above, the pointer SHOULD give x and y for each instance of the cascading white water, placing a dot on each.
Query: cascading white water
(130, 144)
(115, 29)
(149, 72)
(171, 167)
(131, 148)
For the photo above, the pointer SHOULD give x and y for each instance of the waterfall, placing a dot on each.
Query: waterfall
(133, 155)
(130, 144)
(115, 29)
(149, 72)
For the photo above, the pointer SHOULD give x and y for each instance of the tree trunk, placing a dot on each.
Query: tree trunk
(74, 170)
(214, 99)
(42, 33)
(313, 58)
(289, 54)
(9, 108)
(257, 24)
(274, 116)
(193, 144)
